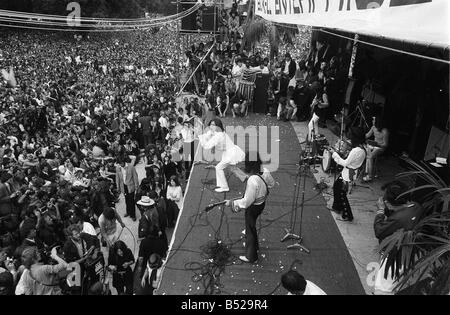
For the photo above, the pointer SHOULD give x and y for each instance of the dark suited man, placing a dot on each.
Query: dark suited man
(289, 67)
(146, 129)
(303, 98)
(127, 183)
(161, 208)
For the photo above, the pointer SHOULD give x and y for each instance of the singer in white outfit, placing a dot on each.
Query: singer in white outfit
(231, 153)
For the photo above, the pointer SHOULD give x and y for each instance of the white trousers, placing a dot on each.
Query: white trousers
(221, 179)
(313, 126)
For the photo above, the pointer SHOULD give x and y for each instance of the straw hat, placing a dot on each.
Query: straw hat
(146, 201)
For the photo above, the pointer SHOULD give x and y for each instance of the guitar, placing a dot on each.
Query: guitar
(215, 205)
(316, 102)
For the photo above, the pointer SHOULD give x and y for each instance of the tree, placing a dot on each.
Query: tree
(255, 29)
(420, 258)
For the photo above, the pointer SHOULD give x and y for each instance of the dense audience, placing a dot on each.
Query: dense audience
(79, 113)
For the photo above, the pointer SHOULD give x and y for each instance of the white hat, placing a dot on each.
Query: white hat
(146, 201)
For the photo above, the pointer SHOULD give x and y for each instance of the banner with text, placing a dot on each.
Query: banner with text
(424, 21)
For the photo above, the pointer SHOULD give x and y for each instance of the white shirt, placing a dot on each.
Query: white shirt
(237, 71)
(312, 289)
(354, 161)
(89, 229)
(175, 194)
(286, 67)
(264, 70)
(163, 122)
(188, 135)
(69, 176)
(124, 173)
(256, 191)
(155, 283)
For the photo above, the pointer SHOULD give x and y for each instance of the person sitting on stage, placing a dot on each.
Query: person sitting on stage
(319, 107)
(231, 154)
(254, 201)
(282, 109)
(377, 147)
(296, 284)
(239, 105)
(351, 165)
(291, 110)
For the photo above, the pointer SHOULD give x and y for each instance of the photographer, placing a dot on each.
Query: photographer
(8, 273)
(40, 279)
(49, 226)
(80, 246)
(395, 211)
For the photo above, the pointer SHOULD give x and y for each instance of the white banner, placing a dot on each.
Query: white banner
(423, 21)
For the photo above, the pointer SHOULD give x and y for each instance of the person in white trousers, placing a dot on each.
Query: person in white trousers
(231, 154)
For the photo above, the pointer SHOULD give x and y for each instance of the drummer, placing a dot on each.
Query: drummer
(351, 165)
(376, 147)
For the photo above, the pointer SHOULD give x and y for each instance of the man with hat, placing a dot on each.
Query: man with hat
(150, 217)
(351, 166)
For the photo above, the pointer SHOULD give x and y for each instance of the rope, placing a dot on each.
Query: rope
(389, 48)
(63, 18)
(374, 45)
(193, 72)
(113, 26)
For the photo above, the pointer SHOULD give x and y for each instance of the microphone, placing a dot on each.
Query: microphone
(212, 206)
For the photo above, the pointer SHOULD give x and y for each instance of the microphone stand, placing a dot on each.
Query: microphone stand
(290, 235)
(341, 140)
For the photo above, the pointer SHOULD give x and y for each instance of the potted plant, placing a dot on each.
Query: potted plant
(420, 258)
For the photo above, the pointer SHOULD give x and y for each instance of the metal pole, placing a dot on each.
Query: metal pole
(179, 48)
(354, 55)
(215, 20)
(195, 70)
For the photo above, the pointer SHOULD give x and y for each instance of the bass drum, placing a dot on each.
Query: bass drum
(327, 161)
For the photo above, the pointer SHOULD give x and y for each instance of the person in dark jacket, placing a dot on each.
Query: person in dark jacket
(152, 244)
(162, 216)
(79, 246)
(396, 212)
(120, 261)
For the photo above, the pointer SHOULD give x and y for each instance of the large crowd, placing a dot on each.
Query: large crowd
(85, 110)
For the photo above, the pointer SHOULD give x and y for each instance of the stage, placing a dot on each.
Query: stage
(329, 265)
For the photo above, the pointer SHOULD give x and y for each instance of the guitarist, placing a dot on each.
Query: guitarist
(254, 201)
(319, 107)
